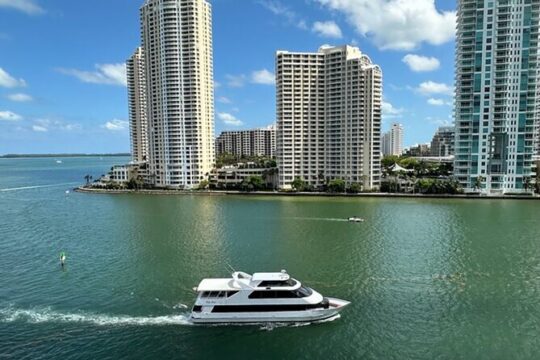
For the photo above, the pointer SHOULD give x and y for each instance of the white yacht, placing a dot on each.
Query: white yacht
(355, 219)
(261, 298)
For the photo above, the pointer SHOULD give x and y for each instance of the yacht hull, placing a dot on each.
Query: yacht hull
(336, 305)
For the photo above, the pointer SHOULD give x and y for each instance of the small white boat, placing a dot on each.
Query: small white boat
(261, 298)
(355, 219)
(58, 161)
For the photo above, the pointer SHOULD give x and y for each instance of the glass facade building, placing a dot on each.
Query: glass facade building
(496, 104)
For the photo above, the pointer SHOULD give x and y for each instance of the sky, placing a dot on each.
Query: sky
(62, 72)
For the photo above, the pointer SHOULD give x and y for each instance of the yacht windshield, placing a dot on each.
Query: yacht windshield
(270, 283)
(304, 291)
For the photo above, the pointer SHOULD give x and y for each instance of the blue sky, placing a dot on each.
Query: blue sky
(62, 82)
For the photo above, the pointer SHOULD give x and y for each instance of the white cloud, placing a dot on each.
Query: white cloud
(302, 25)
(49, 124)
(229, 119)
(235, 81)
(109, 74)
(439, 121)
(224, 100)
(431, 87)
(217, 84)
(9, 116)
(389, 111)
(116, 125)
(397, 24)
(9, 81)
(327, 29)
(27, 6)
(438, 102)
(264, 77)
(420, 63)
(20, 97)
(39, 128)
(277, 8)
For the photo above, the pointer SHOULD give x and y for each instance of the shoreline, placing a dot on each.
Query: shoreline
(83, 189)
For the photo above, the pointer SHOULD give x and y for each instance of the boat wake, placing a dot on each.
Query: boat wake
(36, 187)
(46, 315)
(319, 219)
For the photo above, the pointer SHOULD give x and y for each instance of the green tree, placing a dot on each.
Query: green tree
(389, 160)
(252, 183)
(203, 185)
(299, 184)
(336, 186)
(355, 188)
(477, 184)
(225, 160)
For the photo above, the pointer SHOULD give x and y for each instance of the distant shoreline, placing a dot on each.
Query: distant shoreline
(19, 156)
(83, 189)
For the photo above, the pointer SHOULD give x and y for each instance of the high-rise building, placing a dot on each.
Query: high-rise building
(392, 140)
(177, 46)
(328, 117)
(137, 106)
(442, 144)
(256, 142)
(496, 104)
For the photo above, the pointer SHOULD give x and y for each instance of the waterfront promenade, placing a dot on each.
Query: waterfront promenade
(84, 189)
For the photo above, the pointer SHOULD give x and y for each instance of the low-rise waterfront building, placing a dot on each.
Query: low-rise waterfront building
(122, 174)
(231, 177)
(255, 142)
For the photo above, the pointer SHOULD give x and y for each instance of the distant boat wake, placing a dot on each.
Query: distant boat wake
(46, 315)
(317, 219)
(36, 187)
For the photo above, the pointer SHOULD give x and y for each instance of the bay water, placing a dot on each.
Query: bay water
(427, 278)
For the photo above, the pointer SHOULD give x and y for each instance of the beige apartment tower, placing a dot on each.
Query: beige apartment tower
(177, 46)
(328, 117)
(138, 124)
(255, 142)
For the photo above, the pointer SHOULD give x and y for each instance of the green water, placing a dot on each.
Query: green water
(428, 279)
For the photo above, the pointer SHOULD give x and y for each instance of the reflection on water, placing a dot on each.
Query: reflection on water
(427, 278)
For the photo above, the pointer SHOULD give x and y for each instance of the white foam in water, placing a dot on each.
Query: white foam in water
(272, 326)
(46, 315)
(36, 187)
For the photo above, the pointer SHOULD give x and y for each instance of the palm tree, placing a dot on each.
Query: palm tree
(478, 182)
(526, 183)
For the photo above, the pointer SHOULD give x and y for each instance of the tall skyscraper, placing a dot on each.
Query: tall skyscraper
(392, 140)
(442, 144)
(177, 46)
(496, 107)
(137, 106)
(328, 117)
(256, 142)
